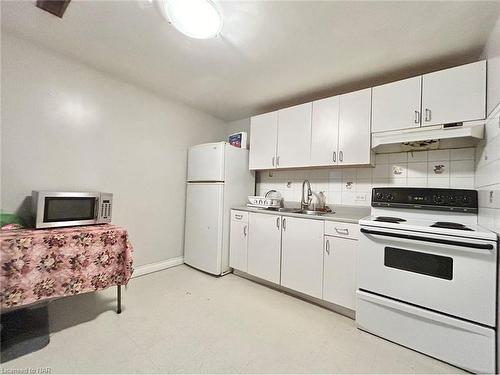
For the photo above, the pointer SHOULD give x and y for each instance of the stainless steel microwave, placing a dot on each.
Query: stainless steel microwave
(64, 209)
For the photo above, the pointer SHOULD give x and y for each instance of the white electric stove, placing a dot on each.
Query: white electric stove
(427, 275)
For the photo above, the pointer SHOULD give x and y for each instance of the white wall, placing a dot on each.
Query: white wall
(66, 126)
(352, 186)
(242, 125)
(491, 52)
(488, 152)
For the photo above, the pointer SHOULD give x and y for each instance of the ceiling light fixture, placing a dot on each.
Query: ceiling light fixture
(198, 19)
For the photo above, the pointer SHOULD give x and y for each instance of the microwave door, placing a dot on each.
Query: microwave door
(59, 211)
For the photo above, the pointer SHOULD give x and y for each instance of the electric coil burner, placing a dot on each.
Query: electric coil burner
(427, 275)
(389, 219)
(450, 225)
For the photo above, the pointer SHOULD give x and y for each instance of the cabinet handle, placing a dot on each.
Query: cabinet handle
(278, 222)
(428, 114)
(284, 224)
(341, 156)
(237, 216)
(245, 230)
(277, 161)
(342, 231)
(334, 156)
(417, 117)
(328, 247)
(273, 161)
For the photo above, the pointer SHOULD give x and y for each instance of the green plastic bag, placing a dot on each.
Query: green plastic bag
(8, 218)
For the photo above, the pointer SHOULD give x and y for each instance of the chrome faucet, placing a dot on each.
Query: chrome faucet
(303, 203)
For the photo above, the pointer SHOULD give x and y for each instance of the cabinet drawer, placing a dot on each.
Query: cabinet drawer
(469, 346)
(338, 229)
(239, 216)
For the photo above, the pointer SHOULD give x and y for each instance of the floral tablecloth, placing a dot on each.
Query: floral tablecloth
(38, 264)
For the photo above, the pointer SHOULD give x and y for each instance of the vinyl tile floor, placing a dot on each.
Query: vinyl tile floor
(184, 321)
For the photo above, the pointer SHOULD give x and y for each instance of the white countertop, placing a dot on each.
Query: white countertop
(345, 214)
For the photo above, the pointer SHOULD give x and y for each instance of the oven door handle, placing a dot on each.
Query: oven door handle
(425, 239)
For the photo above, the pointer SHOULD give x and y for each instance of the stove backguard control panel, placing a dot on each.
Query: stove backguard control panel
(458, 200)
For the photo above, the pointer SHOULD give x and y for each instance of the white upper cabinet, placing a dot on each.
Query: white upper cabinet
(263, 140)
(294, 136)
(337, 130)
(325, 131)
(396, 105)
(454, 95)
(355, 127)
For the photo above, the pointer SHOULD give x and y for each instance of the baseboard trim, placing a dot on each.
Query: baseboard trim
(158, 266)
(328, 305)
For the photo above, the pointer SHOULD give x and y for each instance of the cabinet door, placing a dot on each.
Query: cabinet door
(454, 95)
(325, 131)
(354, 127)
(238, 245)
(302, 255)
(396, 105)
(339, 272)
(294, 136)
(264, 246)
(263, 138)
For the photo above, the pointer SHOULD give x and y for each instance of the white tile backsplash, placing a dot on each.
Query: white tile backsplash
(462, 182)
(381, 171)
(439, 168)
(462, 154)
(417, 170)
(438, 182)
(462, 168)
(364, 185)
(436, 155)
(400, 157)
(352, 186)
(398, 170)
(417, 156)
(417, 181)
(382, 159)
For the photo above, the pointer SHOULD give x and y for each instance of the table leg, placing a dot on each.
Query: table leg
(119, 299)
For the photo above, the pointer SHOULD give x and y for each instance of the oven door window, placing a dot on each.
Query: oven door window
(422, 263)
(69, 209)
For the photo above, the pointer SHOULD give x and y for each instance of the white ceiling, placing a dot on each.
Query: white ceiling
(270, 53)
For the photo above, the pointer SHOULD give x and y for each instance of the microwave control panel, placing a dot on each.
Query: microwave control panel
(106, 203)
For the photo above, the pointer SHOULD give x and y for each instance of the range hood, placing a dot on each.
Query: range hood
(466, 134)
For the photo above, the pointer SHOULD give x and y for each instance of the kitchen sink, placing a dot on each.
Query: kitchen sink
(305, 212)
(312, 212)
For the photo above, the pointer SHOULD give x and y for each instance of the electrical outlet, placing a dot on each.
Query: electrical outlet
(360, 198)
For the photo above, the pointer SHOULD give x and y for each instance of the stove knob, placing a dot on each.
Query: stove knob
(379, 196)
(389, 197)
(466, 199)
(451, 199)
(438, 199)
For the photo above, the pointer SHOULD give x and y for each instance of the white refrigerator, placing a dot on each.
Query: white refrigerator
(218, 179)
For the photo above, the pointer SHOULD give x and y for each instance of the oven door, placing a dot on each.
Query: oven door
(447, 274)
(62, 209)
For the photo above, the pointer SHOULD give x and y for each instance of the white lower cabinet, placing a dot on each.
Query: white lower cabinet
(314, 257)
(238, 241)
(339, 271)
(302, 255)
(264, 246)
